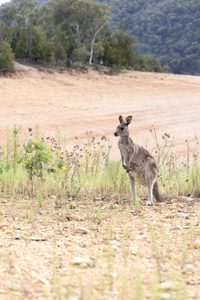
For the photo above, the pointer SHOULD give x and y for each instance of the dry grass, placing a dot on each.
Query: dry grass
(94, 249)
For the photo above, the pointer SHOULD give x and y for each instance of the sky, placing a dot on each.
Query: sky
(4, 1)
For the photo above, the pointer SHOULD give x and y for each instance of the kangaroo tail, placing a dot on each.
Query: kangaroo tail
(157, 193)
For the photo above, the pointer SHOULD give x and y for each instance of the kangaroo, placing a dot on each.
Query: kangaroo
(137, 162)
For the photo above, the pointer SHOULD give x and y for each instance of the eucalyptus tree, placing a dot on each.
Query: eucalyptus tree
(27, 14)
(82, 20)
(7, 22)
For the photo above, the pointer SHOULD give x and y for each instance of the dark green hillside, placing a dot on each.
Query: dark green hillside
(168, 29)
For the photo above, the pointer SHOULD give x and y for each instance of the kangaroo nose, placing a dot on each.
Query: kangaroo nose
(115, 134)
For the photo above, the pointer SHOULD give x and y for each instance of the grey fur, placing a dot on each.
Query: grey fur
(137, 162)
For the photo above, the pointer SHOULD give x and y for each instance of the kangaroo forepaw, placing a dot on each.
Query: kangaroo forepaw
(128, 169)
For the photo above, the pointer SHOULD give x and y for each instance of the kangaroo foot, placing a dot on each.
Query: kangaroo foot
(147, 202)
(150, 203)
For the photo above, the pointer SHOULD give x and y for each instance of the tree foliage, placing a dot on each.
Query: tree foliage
(6, 57)
(61, 32)
(81, 20)
(167, 29)
(119, 50)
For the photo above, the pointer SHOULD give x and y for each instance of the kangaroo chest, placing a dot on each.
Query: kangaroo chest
(134, 156)
(128, 150)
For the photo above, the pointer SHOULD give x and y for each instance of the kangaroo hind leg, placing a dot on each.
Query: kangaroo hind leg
(132, 186)
(150, 194)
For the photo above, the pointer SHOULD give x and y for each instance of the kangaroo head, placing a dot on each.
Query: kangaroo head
(123, 129)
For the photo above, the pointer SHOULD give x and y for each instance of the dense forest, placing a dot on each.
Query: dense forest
(64, 32)
(167, 29)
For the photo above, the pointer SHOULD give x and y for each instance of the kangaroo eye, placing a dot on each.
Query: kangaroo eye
(122, 128)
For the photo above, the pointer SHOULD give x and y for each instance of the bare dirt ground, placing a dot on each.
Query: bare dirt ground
(78, 103)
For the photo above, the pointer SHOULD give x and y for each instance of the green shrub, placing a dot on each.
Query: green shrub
(119, 50)
(148, 63)
(20, 49)
(36, 160)
(81, 54)
(6, 57)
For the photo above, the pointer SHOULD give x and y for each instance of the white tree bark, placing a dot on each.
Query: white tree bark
(93, 40)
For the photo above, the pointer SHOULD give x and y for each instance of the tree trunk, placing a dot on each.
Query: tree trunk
(91, 51)
(30, 39)
(25, 30)
(93, 40)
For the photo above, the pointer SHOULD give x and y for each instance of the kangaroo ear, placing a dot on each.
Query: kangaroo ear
(128, 120)
(121, 120)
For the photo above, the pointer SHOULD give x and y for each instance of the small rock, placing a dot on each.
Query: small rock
(73, 217)
(112, 206)
(172, 200)
(141, 237)
(37, 239)
(114, 247)
(188, 269)
(164, 296)
(133, 250)
(82, 230)
(170, 215)
(80, 218)
(166, 285)
(81, 261)
(196, 244)
(73, 206)
(179, 227)
(43, 280)
(115, 243)
(8, 232)
(3, 226)
(113, 274)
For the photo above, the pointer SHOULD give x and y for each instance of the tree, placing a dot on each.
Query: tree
(82, 20)
(148, 63)
(99, 17)
(119, 50)
(27, 13)
(39, 42)
(80, 54)
(6, 57)
(7, 23)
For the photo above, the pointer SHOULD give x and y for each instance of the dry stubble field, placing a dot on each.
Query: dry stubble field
(91, 248)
